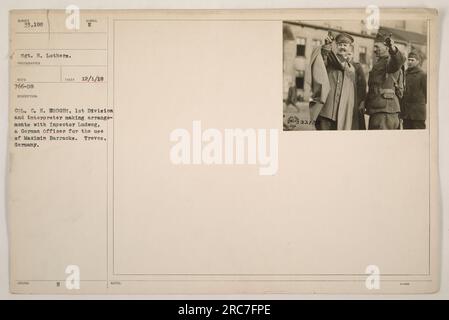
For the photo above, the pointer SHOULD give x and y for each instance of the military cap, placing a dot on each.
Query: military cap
(415, 54)
(344, 38)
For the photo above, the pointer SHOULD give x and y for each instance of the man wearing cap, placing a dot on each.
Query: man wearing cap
(336, 111)
(382, 102)
(415, 95)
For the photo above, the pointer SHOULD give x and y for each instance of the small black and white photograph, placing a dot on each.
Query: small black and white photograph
(349, 75)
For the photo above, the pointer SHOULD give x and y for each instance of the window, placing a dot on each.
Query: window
(362, 55)
(300, 80)
(300, 47)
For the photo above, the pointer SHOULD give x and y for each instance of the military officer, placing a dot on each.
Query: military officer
(382, 102)
(336, 113)
(414, 102)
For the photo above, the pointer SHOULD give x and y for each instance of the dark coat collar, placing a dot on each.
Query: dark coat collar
(414, 70)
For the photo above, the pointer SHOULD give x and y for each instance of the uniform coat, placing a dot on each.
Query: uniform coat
(415, 95)
(381, 84)
(340, 101)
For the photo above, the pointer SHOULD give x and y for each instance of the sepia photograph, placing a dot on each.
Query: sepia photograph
(352, 75)
(145, 153)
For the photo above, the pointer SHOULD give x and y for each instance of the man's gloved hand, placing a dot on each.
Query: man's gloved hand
(329, 38)
(328, 41)
(389, 42)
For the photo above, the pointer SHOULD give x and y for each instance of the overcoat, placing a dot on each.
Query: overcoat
(415, 94)
(381, 84)
(338, 104)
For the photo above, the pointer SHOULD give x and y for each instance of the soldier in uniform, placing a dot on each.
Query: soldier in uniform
(339, 105)
(414, 102)
(382, 102)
